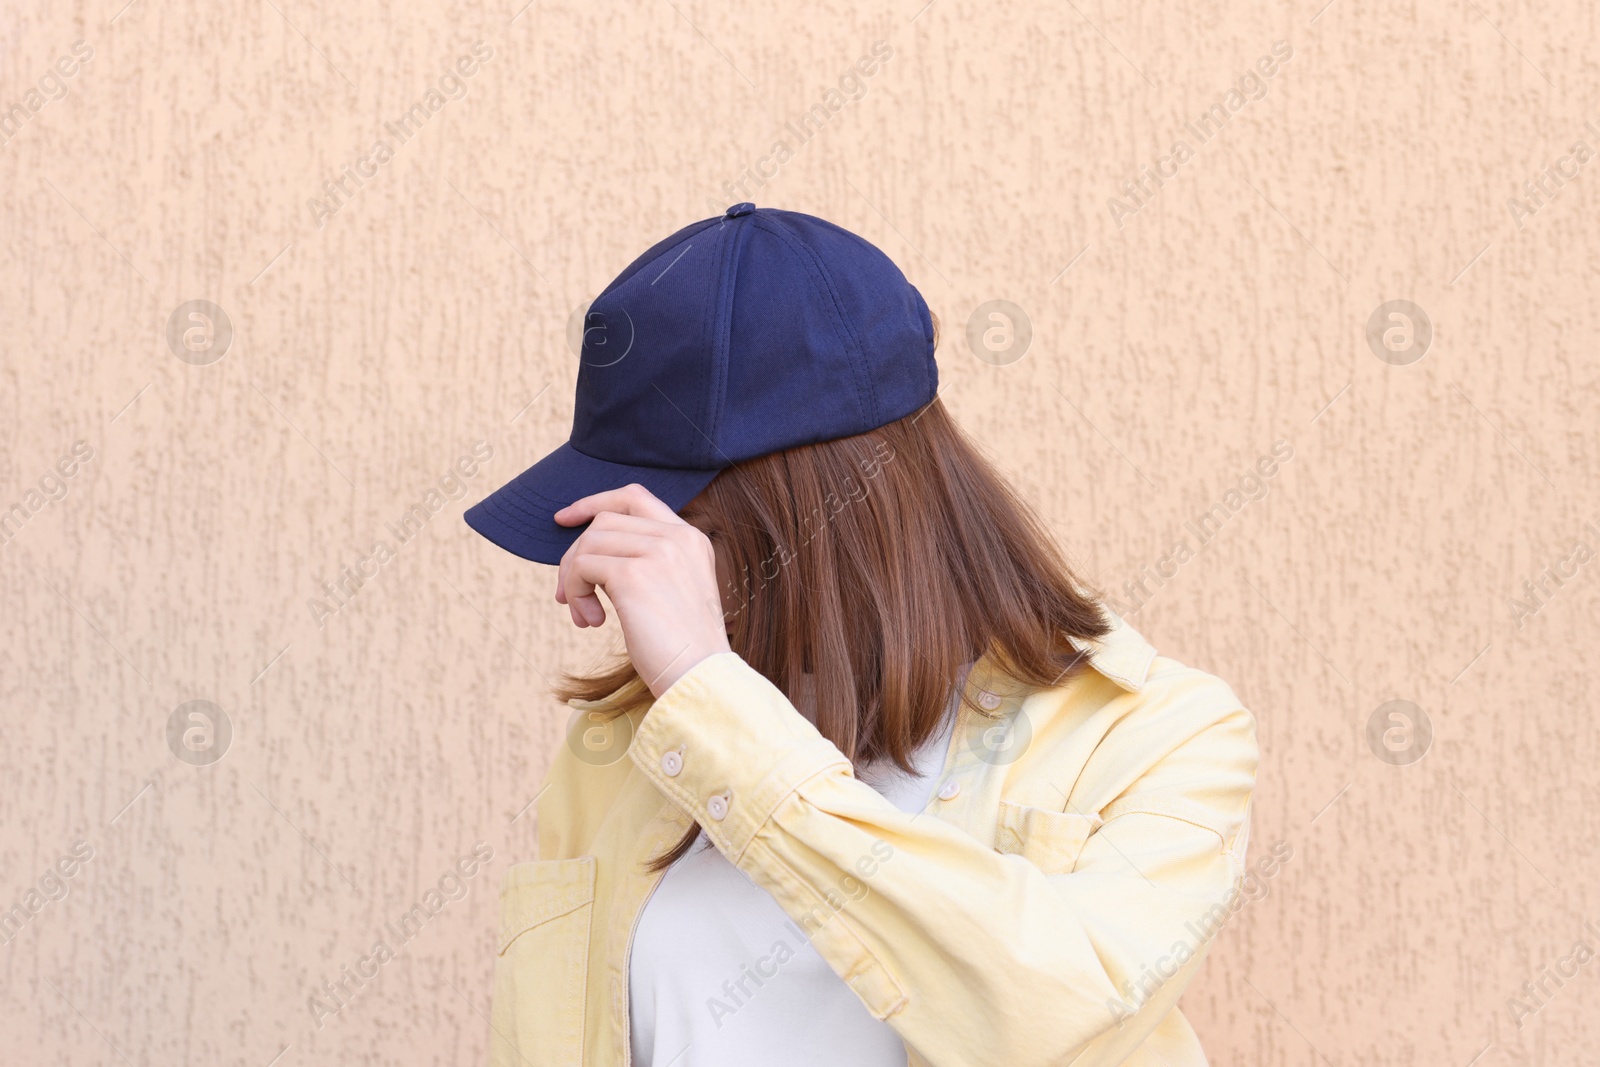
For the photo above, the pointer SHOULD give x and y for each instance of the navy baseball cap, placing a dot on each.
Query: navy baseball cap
(739, 335)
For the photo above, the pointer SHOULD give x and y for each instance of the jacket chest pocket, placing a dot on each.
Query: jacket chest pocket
(541, 972)
(1050, 840)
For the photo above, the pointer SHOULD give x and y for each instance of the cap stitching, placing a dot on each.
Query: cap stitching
(492, 514)
(506, 498)
(511, 504)
(810, 261)
(855, 339)
(925, 316)
(707, 302)
(732, 253)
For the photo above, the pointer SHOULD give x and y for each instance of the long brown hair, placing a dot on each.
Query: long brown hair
(878, 565)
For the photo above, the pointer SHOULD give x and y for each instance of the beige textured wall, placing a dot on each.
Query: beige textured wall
(1173, 343)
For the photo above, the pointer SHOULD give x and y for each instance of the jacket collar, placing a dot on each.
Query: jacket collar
(1123, 655)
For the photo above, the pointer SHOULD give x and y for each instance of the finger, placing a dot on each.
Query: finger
(614, 543)
(578, 619)
(593, 572)
(685, 536)
(632, 499)
(694, 542)
(584, 607)
(617, 520)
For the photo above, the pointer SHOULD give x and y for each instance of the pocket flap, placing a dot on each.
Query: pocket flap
(537, 892)
(1050, 840)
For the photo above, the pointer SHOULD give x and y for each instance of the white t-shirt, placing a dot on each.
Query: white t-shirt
(719, 976)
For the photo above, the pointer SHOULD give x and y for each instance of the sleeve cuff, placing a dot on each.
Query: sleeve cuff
(727, 747)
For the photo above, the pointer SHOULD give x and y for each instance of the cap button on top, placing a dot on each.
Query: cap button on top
(740, 209)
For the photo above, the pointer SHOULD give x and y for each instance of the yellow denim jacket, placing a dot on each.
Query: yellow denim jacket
(1047, 907)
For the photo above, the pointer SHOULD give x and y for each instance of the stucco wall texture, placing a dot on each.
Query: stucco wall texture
(183, 478)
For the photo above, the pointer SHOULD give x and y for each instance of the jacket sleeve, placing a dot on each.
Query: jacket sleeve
(973, 955)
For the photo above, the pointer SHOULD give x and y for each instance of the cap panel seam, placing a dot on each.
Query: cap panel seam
(932, 366)
(809, 260)
(709, 300)
(722, 340)
(863, 380)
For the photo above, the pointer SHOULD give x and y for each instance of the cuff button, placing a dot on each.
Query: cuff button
(671, 764)
(717, 807)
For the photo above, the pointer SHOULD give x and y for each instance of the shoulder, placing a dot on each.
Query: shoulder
(586, 772)
(1142, 735)
(1131, 707)
(1126, 676)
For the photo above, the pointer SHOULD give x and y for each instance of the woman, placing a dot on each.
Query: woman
(877, 782)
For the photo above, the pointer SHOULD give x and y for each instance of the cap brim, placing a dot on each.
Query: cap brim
(519, 516)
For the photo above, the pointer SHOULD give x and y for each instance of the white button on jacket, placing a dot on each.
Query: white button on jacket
(717, 806)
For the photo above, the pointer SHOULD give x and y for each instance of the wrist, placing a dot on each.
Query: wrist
(685, 661)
